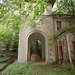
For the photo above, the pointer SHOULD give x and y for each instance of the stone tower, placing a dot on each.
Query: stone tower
(44, 33)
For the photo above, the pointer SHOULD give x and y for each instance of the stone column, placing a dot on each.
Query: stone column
(43, 51)
(28, 56)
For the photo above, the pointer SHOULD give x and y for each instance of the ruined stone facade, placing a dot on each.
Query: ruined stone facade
(44, 33)
(65, 20)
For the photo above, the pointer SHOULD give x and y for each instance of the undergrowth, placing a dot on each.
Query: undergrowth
(2, 65)
(32, 69)
(3, 57)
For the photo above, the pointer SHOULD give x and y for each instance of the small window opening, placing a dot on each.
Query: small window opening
(58, 25)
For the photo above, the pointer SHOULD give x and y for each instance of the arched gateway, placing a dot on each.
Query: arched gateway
(36, 36)
(43, 33)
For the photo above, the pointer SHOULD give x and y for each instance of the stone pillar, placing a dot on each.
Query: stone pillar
(43, 52)
(29, 52)
(48, 10)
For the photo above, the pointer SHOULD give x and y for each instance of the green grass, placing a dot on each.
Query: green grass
(30, 69)
(2, 65)
(3, 57)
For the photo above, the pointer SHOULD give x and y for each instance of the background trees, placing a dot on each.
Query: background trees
(9, 30)
(65, 7)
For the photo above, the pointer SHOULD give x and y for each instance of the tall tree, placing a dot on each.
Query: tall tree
(64, 7)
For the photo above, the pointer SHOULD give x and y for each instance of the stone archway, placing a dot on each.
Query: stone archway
(36, 36)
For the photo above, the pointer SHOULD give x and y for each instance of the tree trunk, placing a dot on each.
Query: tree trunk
(55, 50)
(58, 51)
(67, 38)
(63, 49)
(8, 45)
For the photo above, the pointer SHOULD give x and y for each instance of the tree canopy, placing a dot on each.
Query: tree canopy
(12, 10)
(33, 9)
(65, 7)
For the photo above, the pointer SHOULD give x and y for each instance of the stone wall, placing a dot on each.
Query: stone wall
(65, 21)
(46, 29)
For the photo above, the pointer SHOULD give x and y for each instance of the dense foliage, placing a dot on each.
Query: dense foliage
(12, 10)
(64, 7)
(10, 14)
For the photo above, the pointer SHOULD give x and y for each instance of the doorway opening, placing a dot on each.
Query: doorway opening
(36, 48)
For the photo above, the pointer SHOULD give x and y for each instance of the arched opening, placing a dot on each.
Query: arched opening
(36, 47)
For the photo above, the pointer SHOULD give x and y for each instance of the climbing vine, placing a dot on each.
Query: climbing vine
(64, 29)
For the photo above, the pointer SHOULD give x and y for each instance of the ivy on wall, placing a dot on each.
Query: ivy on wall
(64, 29)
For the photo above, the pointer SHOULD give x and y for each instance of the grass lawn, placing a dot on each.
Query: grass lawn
(2, 65)
(32, 69)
